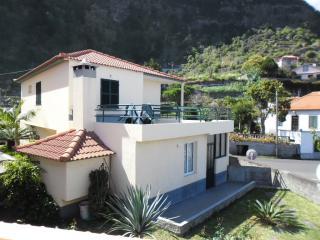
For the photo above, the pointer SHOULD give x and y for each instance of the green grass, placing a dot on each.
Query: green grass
(239, 216)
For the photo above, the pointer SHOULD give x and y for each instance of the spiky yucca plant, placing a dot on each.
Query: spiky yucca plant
(273, 214)
(134, 213)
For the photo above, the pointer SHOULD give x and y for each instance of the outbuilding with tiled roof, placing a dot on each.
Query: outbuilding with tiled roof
(67, 159)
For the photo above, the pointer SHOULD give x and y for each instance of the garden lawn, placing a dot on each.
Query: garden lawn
(238, 217)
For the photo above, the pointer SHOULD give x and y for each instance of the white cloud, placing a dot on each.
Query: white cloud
(314, 3)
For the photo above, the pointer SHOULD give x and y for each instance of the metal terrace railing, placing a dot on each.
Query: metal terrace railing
(147, 113)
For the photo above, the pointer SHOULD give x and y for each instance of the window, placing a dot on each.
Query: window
(188, 158)
(313, 122)
(294, 123)
(30, 89)
(305, 68)
(38, 93)
(109, 92)
(220, 143)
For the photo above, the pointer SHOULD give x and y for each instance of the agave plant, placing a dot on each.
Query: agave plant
(134, 213)
(273, 214)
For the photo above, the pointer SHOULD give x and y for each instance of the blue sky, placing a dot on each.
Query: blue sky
(314, 3)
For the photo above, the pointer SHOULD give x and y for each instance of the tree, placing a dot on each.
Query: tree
(10, 127)
(152, 63)
(263, 94)
(173, 93)
(265, 66)
(244, 112)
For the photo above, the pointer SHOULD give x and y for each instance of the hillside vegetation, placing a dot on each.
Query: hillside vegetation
(226, 61)
(33, 31)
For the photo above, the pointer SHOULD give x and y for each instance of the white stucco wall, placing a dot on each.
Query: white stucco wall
(160, 164)
(151, 92)
(68, 182)
(53, 112)
(63, 92)
(152, 154)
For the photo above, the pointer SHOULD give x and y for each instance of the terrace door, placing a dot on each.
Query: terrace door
(210, 162)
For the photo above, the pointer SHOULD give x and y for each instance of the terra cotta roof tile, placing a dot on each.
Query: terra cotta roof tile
(67, 146)
(310, 101)
(99, 58)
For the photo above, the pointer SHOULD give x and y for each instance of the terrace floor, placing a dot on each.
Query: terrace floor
(182, 216)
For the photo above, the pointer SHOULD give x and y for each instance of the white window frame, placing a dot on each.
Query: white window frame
(186, 164)
(316, 121)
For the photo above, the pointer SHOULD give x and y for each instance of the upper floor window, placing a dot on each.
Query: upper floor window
(294, 123)
(313, 122)
(305, 68)
(189, 158)
(109, 92)
(38, 93)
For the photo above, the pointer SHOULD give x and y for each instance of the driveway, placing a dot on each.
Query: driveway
(303, 168)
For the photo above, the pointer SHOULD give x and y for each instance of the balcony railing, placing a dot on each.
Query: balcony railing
(147, 114)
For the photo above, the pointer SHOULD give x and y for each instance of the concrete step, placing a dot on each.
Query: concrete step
(182, 216)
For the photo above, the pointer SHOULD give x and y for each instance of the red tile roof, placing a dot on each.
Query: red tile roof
(310, 101)
(99, 58)
(67, 146)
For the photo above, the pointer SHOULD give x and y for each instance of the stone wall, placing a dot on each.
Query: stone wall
(243, 171)
(266, 149)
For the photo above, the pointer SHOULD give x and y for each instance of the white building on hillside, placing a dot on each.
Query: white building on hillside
(301, 122)
(286, 62)
(110, 104)
(308, 72)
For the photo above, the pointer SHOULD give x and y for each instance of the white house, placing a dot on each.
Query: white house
(286, 62)
(308, 72)
(302, 121)
(96, 105)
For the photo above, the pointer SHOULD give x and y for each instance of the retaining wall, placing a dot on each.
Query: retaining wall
(267, 149)
(243, 171)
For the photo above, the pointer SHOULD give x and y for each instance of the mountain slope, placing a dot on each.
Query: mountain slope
(32, 31)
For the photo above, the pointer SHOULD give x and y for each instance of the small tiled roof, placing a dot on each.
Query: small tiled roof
(67, 146)
(99, 58)
(310, 101)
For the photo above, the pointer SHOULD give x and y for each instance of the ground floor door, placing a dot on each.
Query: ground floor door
(210, 165)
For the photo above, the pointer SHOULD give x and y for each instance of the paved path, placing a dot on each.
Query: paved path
(303, 168)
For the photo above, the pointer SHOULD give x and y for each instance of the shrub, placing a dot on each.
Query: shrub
(24, 193)
(99, 189)
(273, 214)
(135, 213)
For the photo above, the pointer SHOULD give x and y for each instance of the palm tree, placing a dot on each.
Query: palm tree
(10, 127)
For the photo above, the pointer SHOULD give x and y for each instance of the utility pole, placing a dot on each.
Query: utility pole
(277, 123)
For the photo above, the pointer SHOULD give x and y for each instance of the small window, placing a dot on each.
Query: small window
(188, 158)
(313, 122)
(220, 143)
(294, 123)
(30, 89)
(38, 93)
(305, 68)
(109, 92)
(218, 146)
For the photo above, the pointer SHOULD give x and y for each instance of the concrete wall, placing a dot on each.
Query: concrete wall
(68, 182)
(243, 171)
(268, 149)
(53, 112)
